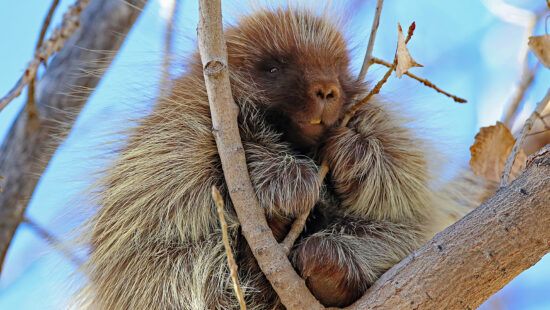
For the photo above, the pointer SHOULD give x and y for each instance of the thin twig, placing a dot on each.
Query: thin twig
(523, 133)
(527, 74)
(537, 132)
(370, 46)
(53, 241)
(421, 80)
(230, 259)
(526, 80)
(168, 47)
(299, 223)
(376, 89)
(541, 119)
(43, 30)
(58, 37)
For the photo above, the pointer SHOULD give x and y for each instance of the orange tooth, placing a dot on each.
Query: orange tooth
(315, 121)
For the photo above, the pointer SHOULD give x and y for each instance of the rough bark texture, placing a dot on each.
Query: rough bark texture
(62, 91)
(271, 258)
(465, 264)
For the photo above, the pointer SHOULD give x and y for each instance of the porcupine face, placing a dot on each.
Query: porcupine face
(298, 62)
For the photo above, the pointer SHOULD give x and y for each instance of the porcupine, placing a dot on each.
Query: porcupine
(155, 241)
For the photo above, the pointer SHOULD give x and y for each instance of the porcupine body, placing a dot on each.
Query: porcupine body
(155, 239)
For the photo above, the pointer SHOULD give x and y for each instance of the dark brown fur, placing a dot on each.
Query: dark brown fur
(155, 239)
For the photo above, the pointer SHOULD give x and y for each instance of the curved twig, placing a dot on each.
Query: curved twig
(299, 223)
(233, 268)
(522, 134)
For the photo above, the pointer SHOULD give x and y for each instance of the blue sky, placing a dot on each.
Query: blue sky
(465, 49)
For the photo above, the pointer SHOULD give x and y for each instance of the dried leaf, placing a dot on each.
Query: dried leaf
(491, 149)
(404, 59)
(540, 46)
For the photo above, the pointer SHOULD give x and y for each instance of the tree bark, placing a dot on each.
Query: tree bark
(468, 262)
(271, 258)
(61, 93)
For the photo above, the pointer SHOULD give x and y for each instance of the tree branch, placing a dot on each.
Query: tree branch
(273, 262)
(522, 134)
(233, 268)
(421, 80)
(465, 264)
(168, 46)
(47, 49)
(53, 241)
(45, 26)
(34, 137)
(368, 55)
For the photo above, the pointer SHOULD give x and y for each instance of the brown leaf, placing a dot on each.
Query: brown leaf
(491, 149)
(540, 46)
(404, 59)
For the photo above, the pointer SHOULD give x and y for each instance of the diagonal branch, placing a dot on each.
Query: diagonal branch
(522, 134)
(34, 137)
(368, 55)
(43, 52)
(421, 80)
(465, 264)
(53, 241)
(45, 25)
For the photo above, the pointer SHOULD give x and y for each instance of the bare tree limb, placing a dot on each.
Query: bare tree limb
(526, 80)
(168, 46)
(421, 80)
(273, 262)
(45, 51)
(465, 264)
(368, 55)
(522, 134)
(45, 26)
(233, 268)
(527, 74)
(53, 241)
(33, 137)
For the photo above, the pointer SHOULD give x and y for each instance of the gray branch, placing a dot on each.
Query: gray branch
(61, 93)
(468, 262)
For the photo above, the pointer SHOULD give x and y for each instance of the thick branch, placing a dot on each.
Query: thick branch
(35, 135)
(465, 264)
(290, 287)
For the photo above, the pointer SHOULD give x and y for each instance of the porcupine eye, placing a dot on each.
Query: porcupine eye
(273, 70)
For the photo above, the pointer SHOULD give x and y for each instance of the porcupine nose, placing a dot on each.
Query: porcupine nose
(327, 92)
(326, 97)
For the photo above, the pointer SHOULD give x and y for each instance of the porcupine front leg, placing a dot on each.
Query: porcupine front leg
(286, 184)
(340, 262)
(378, 172)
